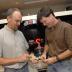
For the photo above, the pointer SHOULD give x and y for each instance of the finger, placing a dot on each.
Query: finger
(45, 60)
(34, 61)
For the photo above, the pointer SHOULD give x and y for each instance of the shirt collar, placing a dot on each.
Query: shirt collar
(9, 29)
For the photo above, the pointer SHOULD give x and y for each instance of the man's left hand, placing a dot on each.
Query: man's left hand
(51, 60)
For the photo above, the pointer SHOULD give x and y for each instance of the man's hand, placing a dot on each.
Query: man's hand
(43, 57)
(33, 59)
(51, 60)
(23, 58)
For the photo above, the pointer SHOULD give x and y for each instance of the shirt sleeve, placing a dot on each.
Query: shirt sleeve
(25, 42)
(68, 37)
(46, 38)
(46, 41)
(1, 46)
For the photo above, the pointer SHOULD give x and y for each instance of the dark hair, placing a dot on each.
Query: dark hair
(69, 8)
(10, 11)
(44, 12)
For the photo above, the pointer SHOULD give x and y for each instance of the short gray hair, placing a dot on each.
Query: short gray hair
(10, 11)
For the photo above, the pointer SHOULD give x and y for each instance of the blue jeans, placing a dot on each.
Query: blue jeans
(23, 69)
(61, 66)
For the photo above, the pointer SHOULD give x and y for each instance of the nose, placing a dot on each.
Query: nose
(18, 24)
(44, 24)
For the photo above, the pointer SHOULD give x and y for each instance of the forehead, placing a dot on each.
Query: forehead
(46, 18)
(17, 15)
(43, 19)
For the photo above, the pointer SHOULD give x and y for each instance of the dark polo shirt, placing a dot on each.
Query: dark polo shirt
(59, 38)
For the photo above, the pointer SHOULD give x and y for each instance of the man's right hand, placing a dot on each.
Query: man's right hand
(23, 58)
